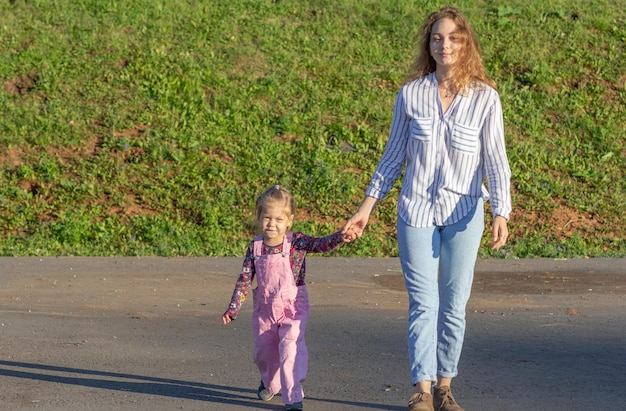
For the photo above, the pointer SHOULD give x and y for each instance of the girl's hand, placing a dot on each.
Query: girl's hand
(226, 319)
(500, 232)
(348, 236)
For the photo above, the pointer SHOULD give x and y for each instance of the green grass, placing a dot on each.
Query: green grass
(149, 127)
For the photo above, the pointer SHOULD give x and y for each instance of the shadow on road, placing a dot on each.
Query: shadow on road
(141, 384)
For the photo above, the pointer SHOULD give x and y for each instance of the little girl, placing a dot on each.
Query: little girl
(281, 302)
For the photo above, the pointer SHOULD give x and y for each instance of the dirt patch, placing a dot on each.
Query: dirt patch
(22, 85)
(530, 283)
(549, 283)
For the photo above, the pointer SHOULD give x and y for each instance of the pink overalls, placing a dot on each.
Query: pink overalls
(281, 310)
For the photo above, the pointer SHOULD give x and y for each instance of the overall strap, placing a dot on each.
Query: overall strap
(258, 246)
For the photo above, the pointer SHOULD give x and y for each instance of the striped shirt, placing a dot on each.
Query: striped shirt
(446, 157)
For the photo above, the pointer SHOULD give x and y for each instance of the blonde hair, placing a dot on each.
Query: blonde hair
(275, 194)
(468, 71)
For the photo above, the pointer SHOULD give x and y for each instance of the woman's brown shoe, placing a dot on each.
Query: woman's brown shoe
(444, 401)
(421, 401)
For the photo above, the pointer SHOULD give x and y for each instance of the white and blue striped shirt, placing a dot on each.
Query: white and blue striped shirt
(446, 156)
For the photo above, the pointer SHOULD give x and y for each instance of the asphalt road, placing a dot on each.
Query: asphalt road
(145, 334)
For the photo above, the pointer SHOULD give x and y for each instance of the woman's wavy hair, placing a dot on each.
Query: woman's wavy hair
(468, 71)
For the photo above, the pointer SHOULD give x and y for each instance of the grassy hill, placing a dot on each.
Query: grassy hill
(148, 127)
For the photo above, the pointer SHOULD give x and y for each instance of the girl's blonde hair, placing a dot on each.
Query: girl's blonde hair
(275, 194)
(468, 70)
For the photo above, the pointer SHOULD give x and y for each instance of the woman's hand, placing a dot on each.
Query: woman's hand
(500, 232)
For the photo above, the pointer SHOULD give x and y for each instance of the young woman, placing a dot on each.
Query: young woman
(447, 135)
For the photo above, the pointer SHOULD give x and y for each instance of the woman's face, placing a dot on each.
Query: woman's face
(445, 42)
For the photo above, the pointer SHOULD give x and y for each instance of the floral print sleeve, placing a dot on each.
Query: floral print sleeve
(244, 283)
(316, 245)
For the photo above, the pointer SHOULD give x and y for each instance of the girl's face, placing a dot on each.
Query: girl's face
(445, 42)
(275, 219)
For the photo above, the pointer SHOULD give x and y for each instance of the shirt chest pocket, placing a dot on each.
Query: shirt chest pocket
(465, 138)
(421, 129)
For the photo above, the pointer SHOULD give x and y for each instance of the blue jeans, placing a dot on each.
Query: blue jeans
(438, 266)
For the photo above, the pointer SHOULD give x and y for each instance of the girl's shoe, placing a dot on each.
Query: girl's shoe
(264, 393)
(296, 406)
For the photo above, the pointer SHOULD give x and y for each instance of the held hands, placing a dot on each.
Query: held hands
(348, 236)
(356, 224)
(354, 228)
(500, 232)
